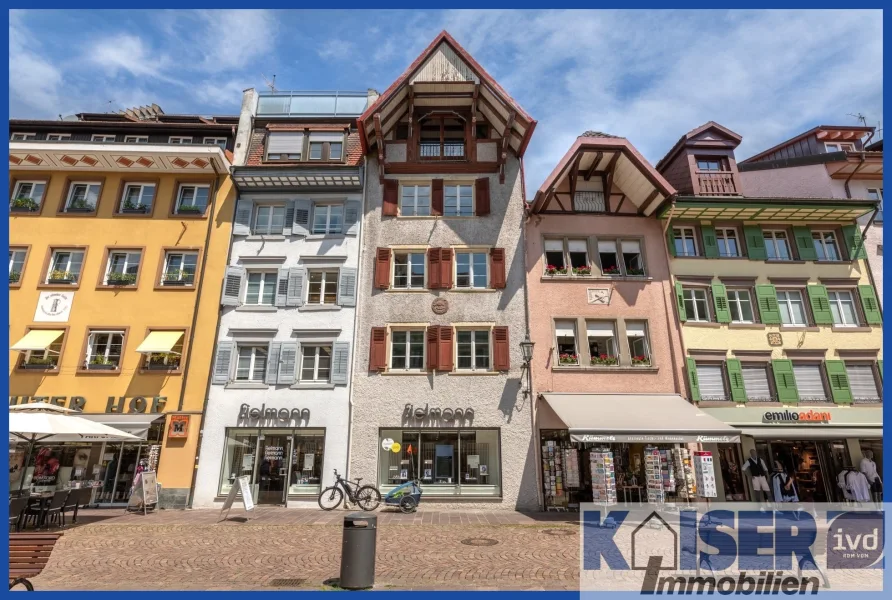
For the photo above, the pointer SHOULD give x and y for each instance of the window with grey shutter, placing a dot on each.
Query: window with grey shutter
(287, 363)
(302, 212)
(272, 363)
(296, 278)
(222, 361)
(243, 211)
(289, 217)
(340, 362)
(232, 286)
(347, 286)
(351, 217)
(282, 288)
(862, 383)
(810, 383)
(712, 383)
(755, 381)
(284, 144)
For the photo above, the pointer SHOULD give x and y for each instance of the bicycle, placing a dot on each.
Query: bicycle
(367, 496)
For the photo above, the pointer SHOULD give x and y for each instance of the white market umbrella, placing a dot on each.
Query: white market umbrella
(40, 407)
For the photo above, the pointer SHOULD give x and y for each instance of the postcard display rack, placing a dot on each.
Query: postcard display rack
(603, 476)
(560, 469)
(669, 472)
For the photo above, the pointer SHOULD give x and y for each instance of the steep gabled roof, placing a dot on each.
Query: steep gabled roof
(731, 136)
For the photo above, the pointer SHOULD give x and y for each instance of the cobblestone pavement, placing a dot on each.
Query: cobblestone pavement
(193, 550)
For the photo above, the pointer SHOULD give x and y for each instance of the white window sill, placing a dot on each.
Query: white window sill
(407, 290)
(246, 385)
(256, 308)
(318, 307)
(313, 386)
(474, 373)
(596, 278)
(406, 373)
(418, 217)
(325, 236)
(473, 290)
(266, 238)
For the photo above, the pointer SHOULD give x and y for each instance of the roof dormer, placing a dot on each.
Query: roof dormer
(702, 163)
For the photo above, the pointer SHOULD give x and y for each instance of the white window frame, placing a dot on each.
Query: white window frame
(833, 297)
(17, 191)
(142, 192)
(391, 341)
(103, 137)
(839, 146)
(136, 139)
(326, 273)
(303, 354)
(473, 331)
(789, 303)
(770, 237)
(340, 156)
(321, 146)
(878, 192)
(54, 350)
(645, 338)
(197, 186)
(408, 253)
(216, 141)
(415, 187)
(265, 274)
(557, 349)
(128, 254)
(257, 229)
(58, 137)
(13, 254)
(682, 230)
(736, 300)
(252, 364)
(89, 184)
(822, 233)
(877, 386)
(91, 342)
(166, 266)
(721, 235)
(327, 208)
(726, 393)
(813, 365)
(471, 253)
(23, 137)
(179, 139)
(699, 318)
(613, 336)
(67, 269)
(459, 186)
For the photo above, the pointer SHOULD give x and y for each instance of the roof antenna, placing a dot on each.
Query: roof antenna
(270, 84)
(110, 102)
(861, 118)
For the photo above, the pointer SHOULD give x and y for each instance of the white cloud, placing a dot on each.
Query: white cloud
(335, 49)
(233, 39)
(33, 81)
(128, 53)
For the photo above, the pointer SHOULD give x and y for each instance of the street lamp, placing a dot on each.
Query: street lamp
(526, 347)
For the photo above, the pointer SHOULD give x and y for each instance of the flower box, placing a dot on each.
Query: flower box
(80, 206)
(24, 204)
(177, 278)
(553, 270)
(134, 209)
(568, 359)
(119, 279)
(102, 367)
(640, 361)
(612, 271)
(637, 272)
(61, 277)
(190, 210)
(582, 270)
(14, 276)
(39, 364)
(157, 362)
(604, 360)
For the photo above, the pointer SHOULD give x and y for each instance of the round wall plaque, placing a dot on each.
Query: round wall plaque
(440, 306)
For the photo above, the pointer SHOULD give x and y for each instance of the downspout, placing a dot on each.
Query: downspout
(852, 174)
(673, 312)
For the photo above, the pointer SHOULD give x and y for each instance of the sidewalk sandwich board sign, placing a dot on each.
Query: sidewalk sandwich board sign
(145, 493)
(242, 485)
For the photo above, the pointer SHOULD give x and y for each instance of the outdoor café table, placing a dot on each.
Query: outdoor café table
(42, 501)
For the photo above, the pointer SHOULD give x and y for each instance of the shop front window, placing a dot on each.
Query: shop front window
(238, 458)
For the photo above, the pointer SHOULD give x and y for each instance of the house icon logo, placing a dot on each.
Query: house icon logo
(659, 539)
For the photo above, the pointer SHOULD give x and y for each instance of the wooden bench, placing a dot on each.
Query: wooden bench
(28, 555)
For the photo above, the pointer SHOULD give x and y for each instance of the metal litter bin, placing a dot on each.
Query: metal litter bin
(358, 551)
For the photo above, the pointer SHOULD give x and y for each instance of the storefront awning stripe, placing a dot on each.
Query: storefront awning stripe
(655, 418)
(812, 433)
(38, 339)
(160, 341)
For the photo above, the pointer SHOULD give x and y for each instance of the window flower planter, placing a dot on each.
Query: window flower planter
(119, 279)
(612, 271)
(157, 362)
(40, 364)
(177, 278)
(130, 208)
(568, 359)
(14, 276)
(604, 360)
(81, 206)
(24, 204)
(102, 365)
(190, 210)
(638, 272)
(62, 277)
(582, 270)
(553, 270)
(640, 361)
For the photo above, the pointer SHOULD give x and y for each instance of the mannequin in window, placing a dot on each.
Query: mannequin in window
(758, 470)
(869, 468)
(782, 485)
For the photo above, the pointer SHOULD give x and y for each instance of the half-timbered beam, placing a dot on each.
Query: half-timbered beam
(647, 201)
(474, 112)
(411, 109)
(379, 135)
(574, 176)
(611, 168)
(622, 201)
(503, 153)
(595, 163)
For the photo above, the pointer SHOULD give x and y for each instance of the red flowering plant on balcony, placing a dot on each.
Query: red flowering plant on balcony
(583, 270)
(554, 270)
(641, 361)
(605, 360)
(568, 359)
(614, 270)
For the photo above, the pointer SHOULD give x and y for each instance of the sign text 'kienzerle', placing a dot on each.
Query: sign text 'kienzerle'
(113, 405)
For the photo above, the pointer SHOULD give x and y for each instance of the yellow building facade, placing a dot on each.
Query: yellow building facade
(118, 247)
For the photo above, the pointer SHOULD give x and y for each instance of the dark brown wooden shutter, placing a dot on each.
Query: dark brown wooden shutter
(437, 197)
(501, 351)
(378, 349)
(391, 197)
(482, 199)
(433, 342)
(446, 268)
(445, 349)
(382, 269)
(497, 268)
(433, 268)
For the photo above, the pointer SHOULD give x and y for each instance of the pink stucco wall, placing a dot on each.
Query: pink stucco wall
(811, 181)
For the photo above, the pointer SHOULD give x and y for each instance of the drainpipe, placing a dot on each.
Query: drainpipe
(673, 312)
(849, 178)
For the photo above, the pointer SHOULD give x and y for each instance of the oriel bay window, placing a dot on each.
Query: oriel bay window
(472, 350)
(65, 267)
(104, 350)
(602, 343)
(179, 268)
(565, 336)
(407, 349)
(408, 270)
(122, 268)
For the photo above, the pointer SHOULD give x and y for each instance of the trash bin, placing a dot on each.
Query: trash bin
(358, 551)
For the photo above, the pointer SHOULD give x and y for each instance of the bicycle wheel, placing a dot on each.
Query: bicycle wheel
(368, 497)
(330, 498)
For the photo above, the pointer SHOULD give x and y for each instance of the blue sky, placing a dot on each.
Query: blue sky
(647, 75)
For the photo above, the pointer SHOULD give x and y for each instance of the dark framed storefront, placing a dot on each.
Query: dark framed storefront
(281, 463)
(462, 462)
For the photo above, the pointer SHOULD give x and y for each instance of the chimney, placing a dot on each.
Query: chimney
(372, 96)
(245, 127)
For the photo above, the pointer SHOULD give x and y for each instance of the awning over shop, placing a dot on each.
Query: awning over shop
(37, 339)
(136, 424)
(812, 433)
(634, 418)
(160, 341)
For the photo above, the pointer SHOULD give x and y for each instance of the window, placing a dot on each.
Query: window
(138, 197)
(23, 137)
(82, 197)
(179, 268)
(326, 146)
(57, 137)
(328, 218)
(27, 196)
(216, 141)
(685, 241)
(323, 287)
(776, 245)
(809, 382)
(408, 270)
(696, 305)
(122, 269)
(877, 194)
(608, 257)
(16, 264)
(471, 270)
(741, 305)
(315, 364)
(174, 139)
(336, 150)
(459, 201)
(47, 358)
(415, 201)
(98, 137)
(284, 145)
(555, 262)
(136, 139)
(839, 147)
(407, 350)
(65, 266)
(863, 383)
(842, 306)
(825, 245)
(565, 334)
(755, 381)
(639, 348)
(315, 150)
(261, 288)
(577, 251)
(269, 219)
(193, 199)
(601, 343)
(472, 350)
(104, 350)
(727, 241)
(711, 382)
(791, 307)
(442, 137)
(709, 164)
(251, 364)
(165, 361)
(633, 259)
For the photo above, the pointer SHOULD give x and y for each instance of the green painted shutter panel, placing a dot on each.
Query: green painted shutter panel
(735, 379)
(870, 304)
(766, 296)
(755, 242)
(720, 300)
(820, 304)
(693, 383)
(679, 297)
(710, 243)
(805, 245)
(880, 369)
(784, 380)
(839, 381)
(670, 240)
(852, 236)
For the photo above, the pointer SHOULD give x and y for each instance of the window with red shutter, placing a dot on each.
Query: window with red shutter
(501, 350)
(433, 268)
(497, 265)
(382, 269)
(378, 349)
(445, 350)
(482, 199)
(437, 197)
(390, 205)
(433, 342)
(446, 268)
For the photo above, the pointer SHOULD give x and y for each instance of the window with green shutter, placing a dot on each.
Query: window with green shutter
(710, 243)
(693, 383)
(870, 305)
(784, 381)
(820, 304)
(735, 380)
(755, 242)
(880, 369)
(720, 299)
(839, 381)
(670, 240)
(851, 234)
(766, 296)
(804, 243)
(679, 298)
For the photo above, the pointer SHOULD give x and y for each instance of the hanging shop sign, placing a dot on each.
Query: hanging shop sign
(653, 438)
(179, 426)
(792, 417)
(113, 405)
(435, 417)
(272, 417)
